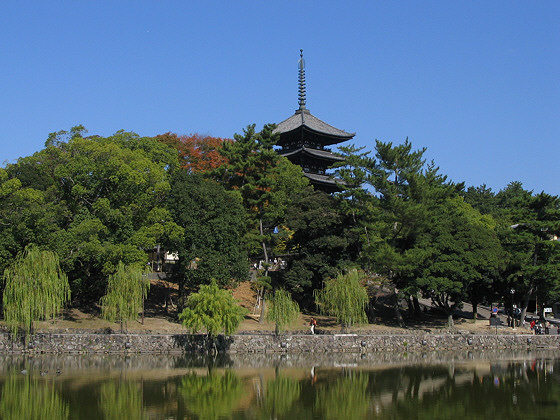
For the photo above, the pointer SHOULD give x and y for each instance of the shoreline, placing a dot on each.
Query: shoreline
(72, 342)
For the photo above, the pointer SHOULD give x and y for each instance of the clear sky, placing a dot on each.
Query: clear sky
(475, 82)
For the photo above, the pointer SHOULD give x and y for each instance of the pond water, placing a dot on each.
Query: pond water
(466, 385)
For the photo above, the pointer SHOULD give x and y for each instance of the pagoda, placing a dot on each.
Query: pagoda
(304, 137)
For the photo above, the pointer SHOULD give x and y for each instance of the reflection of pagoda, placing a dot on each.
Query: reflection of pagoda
(303, 138)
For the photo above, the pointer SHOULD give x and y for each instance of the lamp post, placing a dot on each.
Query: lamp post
(512, 291)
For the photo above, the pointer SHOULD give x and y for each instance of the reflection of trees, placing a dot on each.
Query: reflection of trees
(211, 396)
(278, 397)
(28, 398)
(122, 401)
(511, 391)
(345, 399)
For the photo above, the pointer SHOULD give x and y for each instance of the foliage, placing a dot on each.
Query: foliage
(283, 310)
(213, 396)
(320, 243)
(212, 309)
(36, 289)
(197, 153)
(126, 290)
(122, 401)
(455, 255)
(213, 222)
(102, 201)
(529, 225)
(266, 182)
(345, 298)
(31, 399)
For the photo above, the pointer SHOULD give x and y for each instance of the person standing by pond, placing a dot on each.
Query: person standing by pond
(312, 325)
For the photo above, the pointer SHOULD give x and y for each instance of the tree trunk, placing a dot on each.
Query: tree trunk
(450, 323)
(526, 302)
(265, 254)
(261, 317)
(474, 310)
(417, 311)
(396, 308)
(411, 314)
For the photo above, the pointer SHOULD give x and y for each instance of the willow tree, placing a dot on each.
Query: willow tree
(212, 309)
(126, 290)
(36, 289)
(283, 310)
(345, 298)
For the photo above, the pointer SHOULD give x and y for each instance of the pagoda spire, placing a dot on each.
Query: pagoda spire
(301, 82)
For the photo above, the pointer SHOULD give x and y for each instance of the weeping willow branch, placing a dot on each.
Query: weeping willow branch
(36, 289)
(283, 310)
(126, 291)
(344, 298)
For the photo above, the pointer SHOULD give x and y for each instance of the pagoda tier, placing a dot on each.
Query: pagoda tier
(303, 138)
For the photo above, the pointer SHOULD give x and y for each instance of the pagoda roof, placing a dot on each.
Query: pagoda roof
(326, 180)
(304, 119)
(321, 154)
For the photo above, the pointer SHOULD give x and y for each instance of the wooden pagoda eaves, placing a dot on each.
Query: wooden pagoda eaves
(303, 138)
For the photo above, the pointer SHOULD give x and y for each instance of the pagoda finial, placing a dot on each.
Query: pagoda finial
(301, 79)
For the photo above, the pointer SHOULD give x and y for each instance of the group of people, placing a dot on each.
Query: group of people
(538, 328)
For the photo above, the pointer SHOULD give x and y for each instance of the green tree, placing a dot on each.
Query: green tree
(455, 255)
(283, 310)
(388, 198)
(35, 289)
(212, 309)
(345, 298)
(127, 289)
(529, 226)
(321, 244)
(103, 202)
(213, 221)
(266, 183)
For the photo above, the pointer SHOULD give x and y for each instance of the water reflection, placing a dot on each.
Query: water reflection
(28, 398)
(430, 386)
(212, 396)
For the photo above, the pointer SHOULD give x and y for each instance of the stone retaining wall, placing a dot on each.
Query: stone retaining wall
(267, 343)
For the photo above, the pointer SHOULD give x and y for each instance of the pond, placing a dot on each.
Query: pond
(466, 385)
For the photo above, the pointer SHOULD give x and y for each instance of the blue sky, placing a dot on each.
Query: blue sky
(475, 82)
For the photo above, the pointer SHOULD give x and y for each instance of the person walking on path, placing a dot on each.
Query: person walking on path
(312, 325)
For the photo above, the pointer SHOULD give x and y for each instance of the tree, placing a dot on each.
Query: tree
(321, 244)
(345, 298)
(213, 220)
(197, 153)
(455, 255)
(259, 174)
(529, 226)
(212, 309)
(103, 202)
(126, 290)
(394, 215)
(283, 310)
(36, 289)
